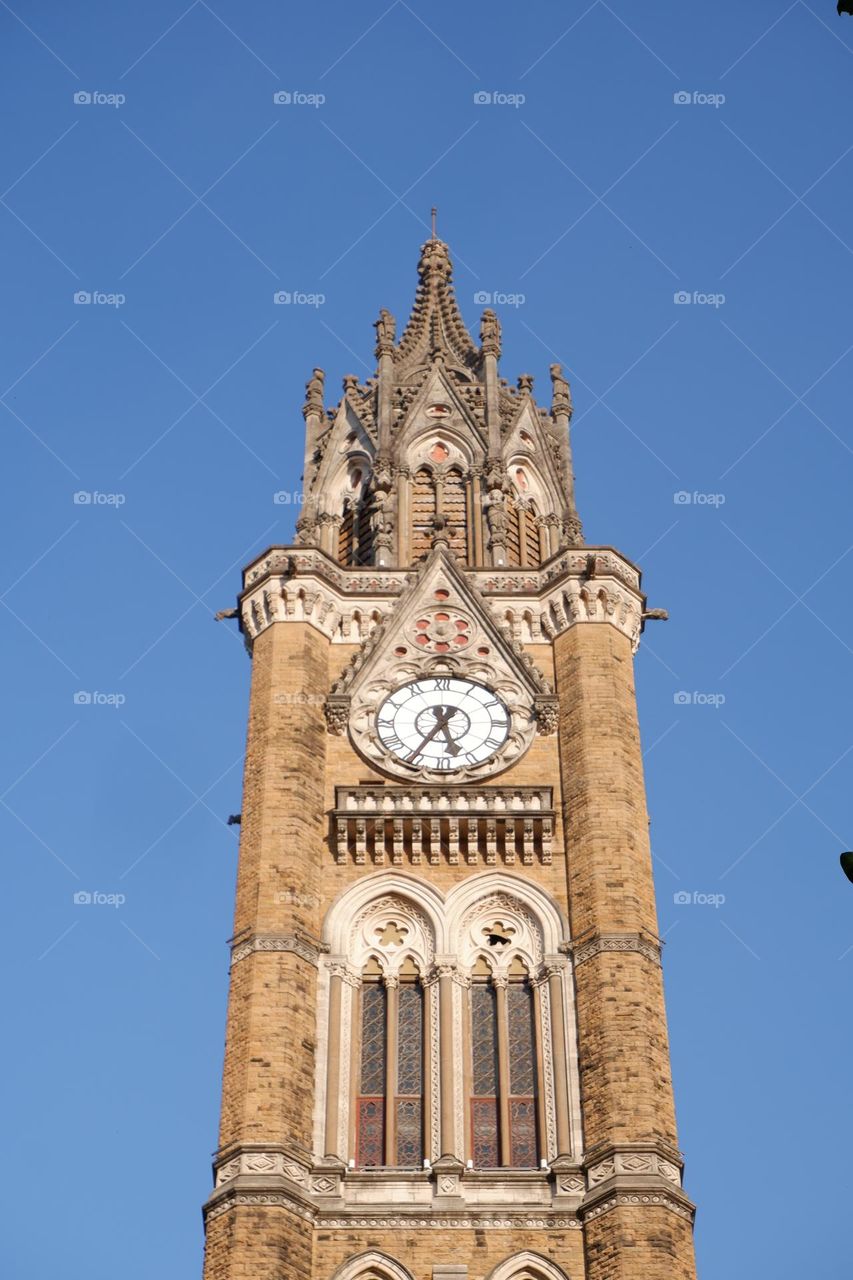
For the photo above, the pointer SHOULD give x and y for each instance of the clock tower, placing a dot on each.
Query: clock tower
(446, 1051)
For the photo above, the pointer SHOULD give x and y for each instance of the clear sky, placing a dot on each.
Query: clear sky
(185, 197)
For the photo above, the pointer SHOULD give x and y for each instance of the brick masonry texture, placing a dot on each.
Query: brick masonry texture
(600, 877)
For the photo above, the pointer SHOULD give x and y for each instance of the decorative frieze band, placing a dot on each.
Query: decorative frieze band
(441, 1222)
(428, 824)
(634, 1163)
(478, 1221)
(643, 944)
(264, 1162)
(303, 584)
(298, 943)
(650, 1199)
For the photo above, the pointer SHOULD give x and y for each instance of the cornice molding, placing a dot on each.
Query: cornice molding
(302, 584)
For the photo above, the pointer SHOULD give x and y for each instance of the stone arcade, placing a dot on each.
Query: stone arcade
(446, 1053)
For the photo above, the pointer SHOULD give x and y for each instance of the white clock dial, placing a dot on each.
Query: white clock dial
(443, 723)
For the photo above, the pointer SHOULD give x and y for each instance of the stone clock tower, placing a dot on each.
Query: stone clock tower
(446, 1053)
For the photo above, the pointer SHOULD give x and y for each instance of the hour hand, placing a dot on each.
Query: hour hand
(453, 748)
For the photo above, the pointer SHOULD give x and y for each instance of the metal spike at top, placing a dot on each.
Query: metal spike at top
(434, 214)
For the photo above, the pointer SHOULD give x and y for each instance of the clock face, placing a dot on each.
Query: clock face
(443, 723)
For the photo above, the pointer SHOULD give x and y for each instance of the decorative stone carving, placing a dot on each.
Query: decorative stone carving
(631, 1162)
(643, 944)
(392, 657)
(522, 818)
(298, 943)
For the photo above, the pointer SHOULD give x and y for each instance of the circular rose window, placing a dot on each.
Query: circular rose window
(441, 631)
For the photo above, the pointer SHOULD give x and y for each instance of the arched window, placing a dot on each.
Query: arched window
(390, 1102)
(454, 507)
(503, 1069)
(522, 533)
(423, 513)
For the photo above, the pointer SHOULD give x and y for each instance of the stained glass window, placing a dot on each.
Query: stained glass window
(373, 1005)
(484, 1064)
(410, 1072)
(371, 1103)
(371, 1132)
(522, 1075)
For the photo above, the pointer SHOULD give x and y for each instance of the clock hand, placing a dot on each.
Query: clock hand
(442, 715)
(452, 747)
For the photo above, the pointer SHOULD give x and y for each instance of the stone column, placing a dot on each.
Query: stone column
(447, 1066)
(392, 996)
(500, 983)
(559, 1051)
(333, 1066)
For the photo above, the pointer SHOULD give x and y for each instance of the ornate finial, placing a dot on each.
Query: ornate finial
(350, 383)
(434, 215)
(525, 382)
(490, 333)
(386, 330)
(314, 393)
(435, 262)
(561, 399)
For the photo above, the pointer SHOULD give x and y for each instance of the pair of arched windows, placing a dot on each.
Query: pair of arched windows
(502, 1058)
(446, 1026)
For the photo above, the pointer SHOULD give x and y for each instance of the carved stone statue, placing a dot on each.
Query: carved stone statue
(314, 392)
(561, 399)
(386, 332)
(490, 333)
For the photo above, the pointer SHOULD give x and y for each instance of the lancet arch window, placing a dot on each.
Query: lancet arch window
(355, 531)
(390, 1101)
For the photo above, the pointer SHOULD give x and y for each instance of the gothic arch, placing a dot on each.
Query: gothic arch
(492, 886)
(527, 1266)
(350, 905)
(372, 1266)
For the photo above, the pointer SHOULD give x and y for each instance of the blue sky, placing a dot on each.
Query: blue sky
(712, 445)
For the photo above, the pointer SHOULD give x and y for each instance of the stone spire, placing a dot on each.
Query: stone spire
(435, 324)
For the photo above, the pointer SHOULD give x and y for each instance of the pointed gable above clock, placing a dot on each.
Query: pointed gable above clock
(441, 627)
